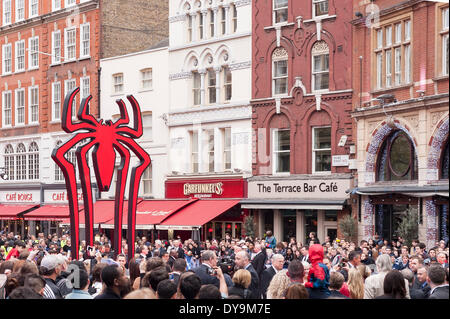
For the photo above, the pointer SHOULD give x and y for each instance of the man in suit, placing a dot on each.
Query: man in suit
(305, 256)
(179, 267)
(259, 259)
(267, 275)
(179, 250)
(242, 261)
(205, 270)
(436, 280)
(336, 282)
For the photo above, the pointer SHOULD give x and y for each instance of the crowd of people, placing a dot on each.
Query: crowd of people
(229, 268)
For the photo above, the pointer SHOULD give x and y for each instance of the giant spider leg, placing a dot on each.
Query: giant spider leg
(124, 118)
(70, 177)
(66, 121)
(135, 179)
(122, 173)
(83, 113)
(136, 131)
(85, 175)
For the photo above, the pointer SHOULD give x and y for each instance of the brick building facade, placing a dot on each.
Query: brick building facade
(301, 104)
(401, 112)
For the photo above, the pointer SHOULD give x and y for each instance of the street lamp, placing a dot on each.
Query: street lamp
(3, 173)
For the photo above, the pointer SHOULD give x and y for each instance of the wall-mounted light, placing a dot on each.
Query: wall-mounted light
(3, 173)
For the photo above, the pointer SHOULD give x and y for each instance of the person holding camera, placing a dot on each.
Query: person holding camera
(207, 270)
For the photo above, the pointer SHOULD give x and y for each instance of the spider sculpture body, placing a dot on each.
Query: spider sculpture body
(105, 138)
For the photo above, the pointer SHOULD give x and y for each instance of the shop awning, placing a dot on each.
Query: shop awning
(103, 213)
(413, 191)
(197, 214)
(48, 213)
(293, 204)
(11, 212)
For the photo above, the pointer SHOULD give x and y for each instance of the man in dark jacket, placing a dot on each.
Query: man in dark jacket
(51, 269)
(206, 269)
(436, 280)
(336, 282)
(267, 275)
(259, 259)
(242, 261)
(117, 284)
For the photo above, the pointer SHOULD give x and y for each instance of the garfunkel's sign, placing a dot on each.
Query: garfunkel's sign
(299, 189)
(206, 188)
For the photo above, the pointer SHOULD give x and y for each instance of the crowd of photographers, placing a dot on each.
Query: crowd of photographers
(229, 268)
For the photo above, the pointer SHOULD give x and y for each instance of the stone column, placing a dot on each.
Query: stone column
(202, 73)
(300, 229)
(278, 225)
(217, 70)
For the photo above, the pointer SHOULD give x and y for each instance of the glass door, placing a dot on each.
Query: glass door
(289, 224)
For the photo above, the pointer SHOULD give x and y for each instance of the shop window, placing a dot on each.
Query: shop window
(445, 161)
(310, 224)
(268, 219)
(237, 230)
(289, 224)
(397, 159)
(281, 151)
(387, 219)
(321, 150)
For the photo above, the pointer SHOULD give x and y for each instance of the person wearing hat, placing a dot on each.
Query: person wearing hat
(19, 246)
(51, 269)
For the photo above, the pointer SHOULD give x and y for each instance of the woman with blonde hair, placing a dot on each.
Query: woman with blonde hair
(355, 284)
(278, 285)
(241, 280)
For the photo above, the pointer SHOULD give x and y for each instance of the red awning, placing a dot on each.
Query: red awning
(10, 212)
(197, 214)
(148, 213)
(48, 212)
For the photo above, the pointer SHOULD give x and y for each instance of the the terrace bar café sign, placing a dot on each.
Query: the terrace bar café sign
(299, 189)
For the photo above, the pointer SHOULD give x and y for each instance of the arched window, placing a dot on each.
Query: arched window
(279, 71)
(9, 162)
(445, 161)
(21, 162)
(397, 159)
(320, 66)
(58, 172)
(33, 161)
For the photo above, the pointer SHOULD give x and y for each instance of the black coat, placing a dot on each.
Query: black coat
(205, 278)
(440, 293)
(254, 285)
(239, 291)
(108, 294)
(266, 278)
(259, 262)
(337, 294)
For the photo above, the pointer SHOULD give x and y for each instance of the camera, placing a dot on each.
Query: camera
(227, 265)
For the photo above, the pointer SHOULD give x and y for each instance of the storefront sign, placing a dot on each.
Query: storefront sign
(299, 189)
(59, 196)
(231, 188)
(340, 160)
(20, 197)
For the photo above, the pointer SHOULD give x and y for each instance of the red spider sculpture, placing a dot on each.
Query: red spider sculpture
(105, 138)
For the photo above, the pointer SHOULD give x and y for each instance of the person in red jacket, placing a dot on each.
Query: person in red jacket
(19, 246)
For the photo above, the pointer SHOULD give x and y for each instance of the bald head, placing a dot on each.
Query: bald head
(242, 259)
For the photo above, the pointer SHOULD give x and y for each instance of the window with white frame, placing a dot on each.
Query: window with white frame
(20, 56)
(85, 46)
(227, 83)
(398, 65)
(7, 58)
(320, 66)
(388, 38)
(85, 89)
(10, 162)
(7, 108)
(147, 181)
(379, 70)
(59, 176)
(33, 104)
(20, 10)
(34, 8)
(280, 11)
(211, 86)
(69, 86)
(194, 152)
(201, 23)
(226, 133)
(147, 126)
(70, 37)
(56, 101)
(33, 53)
(209, 146)
(70, 3)
(33, 161)
(118, 83)
(147, 79)
(234, 18)
(388, 55)
(279, 72)
(56, 5)
(211, 23)
(196, 88)
(189, 35)
(20, 106)
(445, 41)
(223, 21)
(321, 149)
(320, 8)
(56, 47)
(21, 162)
(281, 150)
(6, 12)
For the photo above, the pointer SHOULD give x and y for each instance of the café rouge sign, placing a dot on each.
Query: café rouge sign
(207, 188)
